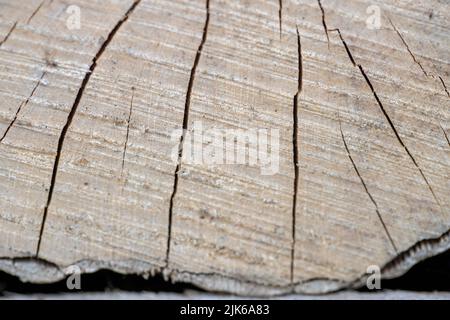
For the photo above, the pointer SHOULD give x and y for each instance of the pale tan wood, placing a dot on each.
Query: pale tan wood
(124, 184)
(232, 215)
(42, 51)
(366, 111)
(399, 192)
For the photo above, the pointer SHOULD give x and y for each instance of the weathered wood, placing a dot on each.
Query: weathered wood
(87, 123)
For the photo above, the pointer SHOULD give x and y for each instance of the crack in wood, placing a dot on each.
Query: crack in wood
(372, 199)
(280, 15)
(35, 12)
(128, 131)
(324, 23)
(397, 134)
(185, 127)
(445, 135)
(72, 112)
(22, 105)
(429, 75)
(347, 49)
(407, 48)
(386, 115)
(445, 87)
(8, 34)
(295, 149)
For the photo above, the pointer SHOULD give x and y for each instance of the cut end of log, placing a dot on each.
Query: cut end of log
(252, 147)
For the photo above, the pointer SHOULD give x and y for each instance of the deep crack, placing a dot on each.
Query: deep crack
(386, 115)
(324, 23)
(397, 134)
(185, 127)
(295, 149)
(366, 189)
(73, 111)
(280, 15)
(347, 49)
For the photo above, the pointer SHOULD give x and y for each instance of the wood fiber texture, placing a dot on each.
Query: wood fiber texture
(94, 171)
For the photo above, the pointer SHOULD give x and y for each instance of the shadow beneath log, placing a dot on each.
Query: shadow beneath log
(101, 281)
(432, 274)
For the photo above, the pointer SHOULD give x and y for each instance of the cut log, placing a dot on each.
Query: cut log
(114, 116)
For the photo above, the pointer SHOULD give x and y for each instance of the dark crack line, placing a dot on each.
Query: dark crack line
(443, 84)
(185, 127)
(8, 34)
(280, 15)
(128, 131)
(296, 150)
(73, 111)
(22, 105)
(407, 48)
(445, 134)
(386, 115)
(397, 134)
(366, 189)
(345, 46)
(417, 61)
(324, 23)
(35, 11)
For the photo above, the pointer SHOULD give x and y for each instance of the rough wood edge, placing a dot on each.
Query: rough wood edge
(39, 271)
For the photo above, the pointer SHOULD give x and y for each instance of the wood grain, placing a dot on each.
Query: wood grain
(88, 135)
